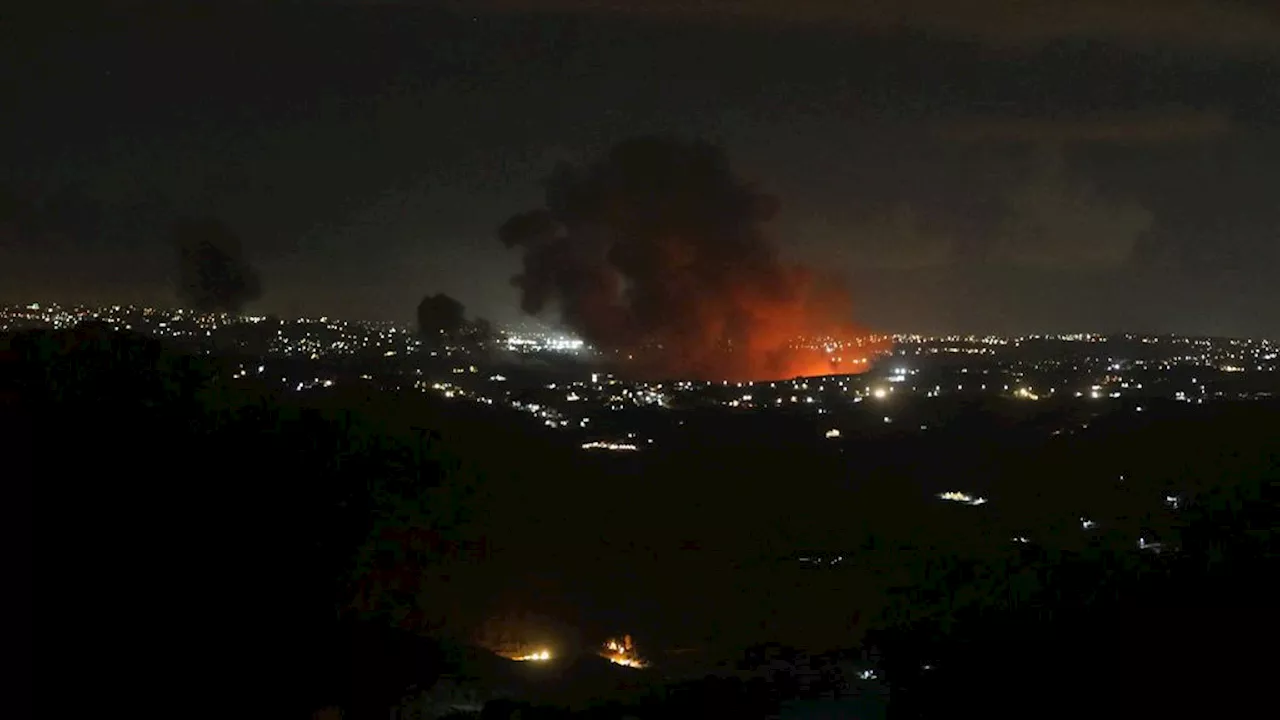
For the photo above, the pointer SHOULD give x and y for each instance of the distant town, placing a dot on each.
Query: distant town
(1092, 369)
(561, 383)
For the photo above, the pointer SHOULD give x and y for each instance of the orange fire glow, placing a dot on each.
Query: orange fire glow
(798, 331)
(621, 653)
(658, 255)
(539, 656)
(764, 359)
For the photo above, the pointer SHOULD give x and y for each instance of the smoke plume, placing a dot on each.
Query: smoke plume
(213, 274)
(442, 320)
(440, 316)
(656, 255)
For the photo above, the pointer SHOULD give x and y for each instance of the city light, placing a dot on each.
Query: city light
(614, 446)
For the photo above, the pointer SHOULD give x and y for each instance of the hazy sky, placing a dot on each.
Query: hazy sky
(1092, 165)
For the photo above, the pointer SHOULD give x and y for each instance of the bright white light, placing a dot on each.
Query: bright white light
(833, 433)
(616, 447)
(955, 496)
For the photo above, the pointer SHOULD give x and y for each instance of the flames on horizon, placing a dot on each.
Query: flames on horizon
(656, 255)
(622, 652)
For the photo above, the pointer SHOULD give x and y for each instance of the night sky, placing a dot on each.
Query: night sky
(1094, 165)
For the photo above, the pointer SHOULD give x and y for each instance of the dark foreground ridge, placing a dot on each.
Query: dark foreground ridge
(203, 546)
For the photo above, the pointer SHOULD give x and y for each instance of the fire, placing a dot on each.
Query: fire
(663, 260)
(961, 497)
(621, 653)
(539, 656)
(762, 358)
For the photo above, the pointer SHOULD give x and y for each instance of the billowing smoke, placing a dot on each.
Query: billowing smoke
(213, 274)
(440, 316)
(442, 320)
(657, 255)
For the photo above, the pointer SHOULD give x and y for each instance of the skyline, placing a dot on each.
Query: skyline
(525, 335)
(1106, 179)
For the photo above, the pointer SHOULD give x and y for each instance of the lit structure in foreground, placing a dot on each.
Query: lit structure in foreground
(621, 653)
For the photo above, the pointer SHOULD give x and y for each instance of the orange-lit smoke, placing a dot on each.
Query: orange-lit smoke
(657, 257)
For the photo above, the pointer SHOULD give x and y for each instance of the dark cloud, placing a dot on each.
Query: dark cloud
(892, 239)
(658, 253)
(1148, 127)
(367, 152)
(1231, 25)
(1055, 222)
(60, 215)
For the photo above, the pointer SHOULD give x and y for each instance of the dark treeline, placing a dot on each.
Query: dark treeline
(204, 543)
(197, 537)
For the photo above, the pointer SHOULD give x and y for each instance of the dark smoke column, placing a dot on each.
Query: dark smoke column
(442, 321)
(213, 274)
(656, 254)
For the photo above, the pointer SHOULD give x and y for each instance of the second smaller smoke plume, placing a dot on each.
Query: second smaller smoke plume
(213, 273)
(442, 320)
